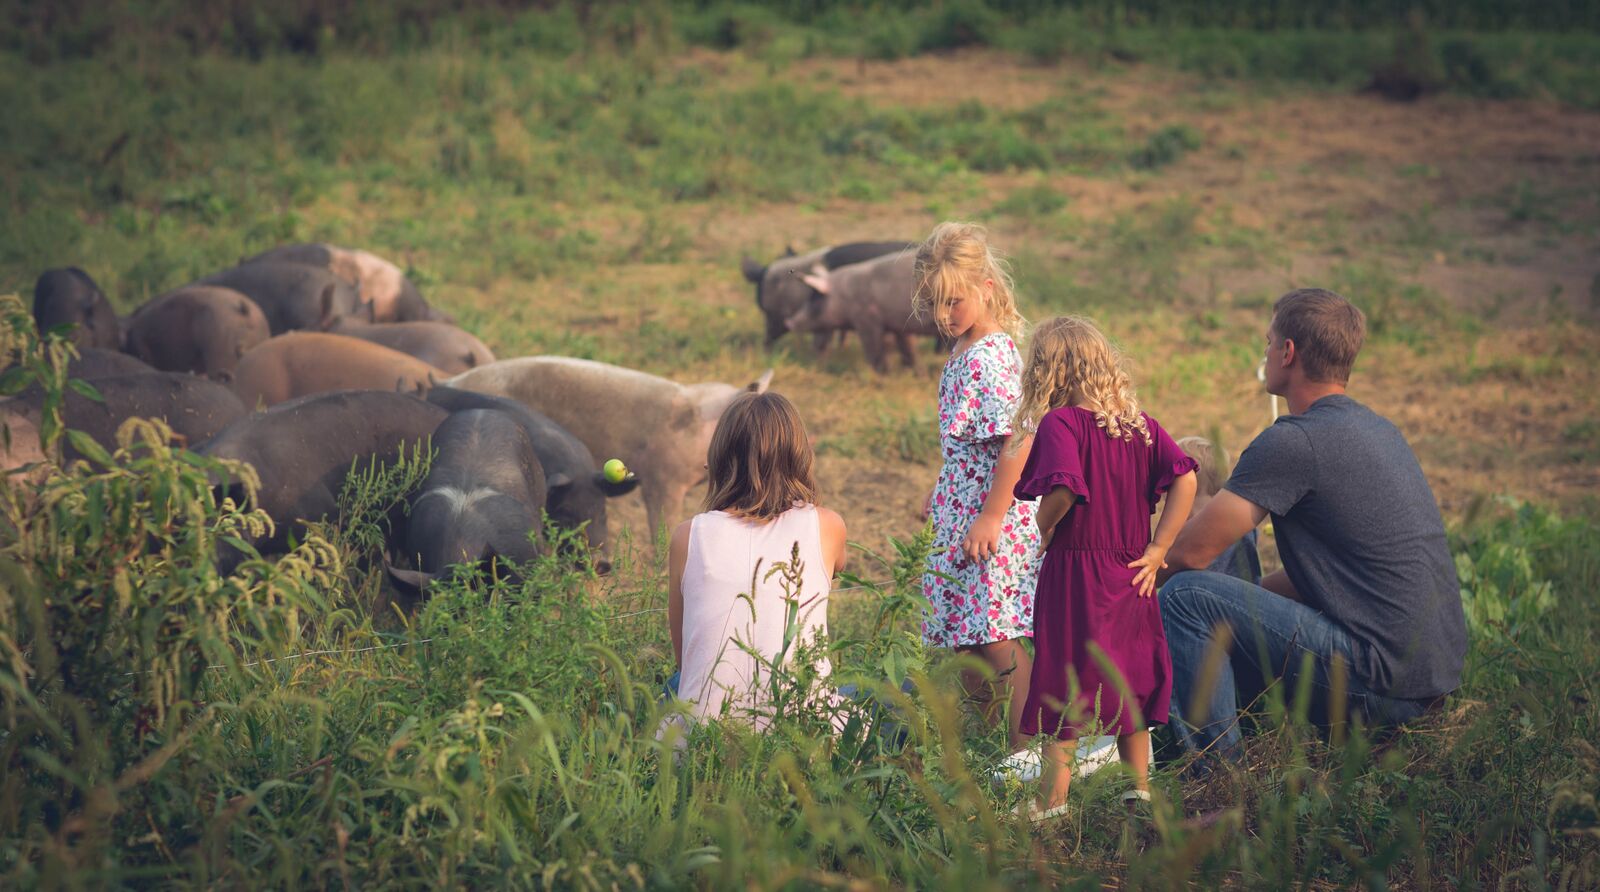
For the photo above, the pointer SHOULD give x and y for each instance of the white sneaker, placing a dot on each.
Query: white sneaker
(1021, 767)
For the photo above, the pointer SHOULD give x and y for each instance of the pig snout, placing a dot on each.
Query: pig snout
(805, 320)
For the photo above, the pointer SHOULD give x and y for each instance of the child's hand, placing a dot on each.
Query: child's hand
(1153, 561)
(1044, 541)
(983, 538)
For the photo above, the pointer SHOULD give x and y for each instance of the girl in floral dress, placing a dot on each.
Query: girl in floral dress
(980, 576)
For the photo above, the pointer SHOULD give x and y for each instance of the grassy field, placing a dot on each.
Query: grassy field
(593, 198)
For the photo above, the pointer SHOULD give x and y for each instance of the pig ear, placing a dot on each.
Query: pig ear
(761, 384)
(621, 488)
(818, 281)
(753, 271)
(327, 309)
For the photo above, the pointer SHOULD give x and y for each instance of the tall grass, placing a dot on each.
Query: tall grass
(162, 724)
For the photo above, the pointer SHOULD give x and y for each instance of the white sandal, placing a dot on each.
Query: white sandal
(1133, 796)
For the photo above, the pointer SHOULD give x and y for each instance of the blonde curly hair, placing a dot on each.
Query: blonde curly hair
(953, 261)
(1071, 363)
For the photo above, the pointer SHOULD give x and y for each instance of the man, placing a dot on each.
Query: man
(1368, 589)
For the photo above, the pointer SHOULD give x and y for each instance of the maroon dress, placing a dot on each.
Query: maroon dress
(1087, 616)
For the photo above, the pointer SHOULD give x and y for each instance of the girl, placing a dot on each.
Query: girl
(726, 612)
(980, 575)
(1098, 466)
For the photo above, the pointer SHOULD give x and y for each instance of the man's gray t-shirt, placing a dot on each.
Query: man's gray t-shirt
(1362, 540)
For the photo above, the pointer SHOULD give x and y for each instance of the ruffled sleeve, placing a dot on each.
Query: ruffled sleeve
(1055, 460)
(1168, 462)
(986, 389)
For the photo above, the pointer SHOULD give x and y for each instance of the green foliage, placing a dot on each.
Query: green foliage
(112, 616)
(912, 437)
(1031, 202)
(1506, 586)
(960, 23)
(1165, 146)
(166, 724)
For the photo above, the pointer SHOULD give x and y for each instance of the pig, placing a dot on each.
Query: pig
(195, 409)
(780, 287)
(393, 297)
(481, 501)
(92, 364)
(69, 296)
(303, 449)
(438, 344)
(576, 490)
(873, 298)
(293, 296)
(203, 329)
(658, 428)
(305, 362)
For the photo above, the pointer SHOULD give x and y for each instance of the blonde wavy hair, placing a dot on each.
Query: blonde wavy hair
(953, 261)
(1070, 363)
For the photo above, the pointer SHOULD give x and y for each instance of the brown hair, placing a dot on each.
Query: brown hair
(1071, 363)
(1213, 460)
(954, 261)
(1327, 331)
(760, 460)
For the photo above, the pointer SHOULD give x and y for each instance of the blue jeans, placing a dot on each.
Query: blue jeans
(1271, 636)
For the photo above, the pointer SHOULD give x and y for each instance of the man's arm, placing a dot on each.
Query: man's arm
(1278, 583)
(1222, 522)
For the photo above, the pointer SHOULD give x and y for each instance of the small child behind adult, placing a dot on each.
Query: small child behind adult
(1098, 466)
(1241, 560)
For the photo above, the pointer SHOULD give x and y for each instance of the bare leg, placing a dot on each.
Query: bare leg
(1012, 666)
(1135, 752)
(1056, 761)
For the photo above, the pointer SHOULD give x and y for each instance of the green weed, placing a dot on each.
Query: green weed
(1165, 146)
(506, 734)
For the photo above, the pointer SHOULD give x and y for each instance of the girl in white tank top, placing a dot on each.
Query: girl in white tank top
(735, 607)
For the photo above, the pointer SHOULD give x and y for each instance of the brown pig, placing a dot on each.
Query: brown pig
(204, 329)
(439, 344)
(305, 362)
(393, 297)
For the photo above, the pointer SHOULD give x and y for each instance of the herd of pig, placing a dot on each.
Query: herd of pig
(311, 360)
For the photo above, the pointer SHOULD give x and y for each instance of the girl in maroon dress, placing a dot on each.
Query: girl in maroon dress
(1099, 467)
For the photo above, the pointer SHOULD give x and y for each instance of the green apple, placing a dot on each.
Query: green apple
(615, 470)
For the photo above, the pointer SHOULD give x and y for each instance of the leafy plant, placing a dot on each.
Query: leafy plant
(1165, 146)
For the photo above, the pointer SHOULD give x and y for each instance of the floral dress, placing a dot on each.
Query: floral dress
(978, 602)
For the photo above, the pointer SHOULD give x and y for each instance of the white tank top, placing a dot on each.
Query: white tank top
(725, 552)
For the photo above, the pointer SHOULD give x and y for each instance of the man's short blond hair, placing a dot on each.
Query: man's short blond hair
(1214, 463)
